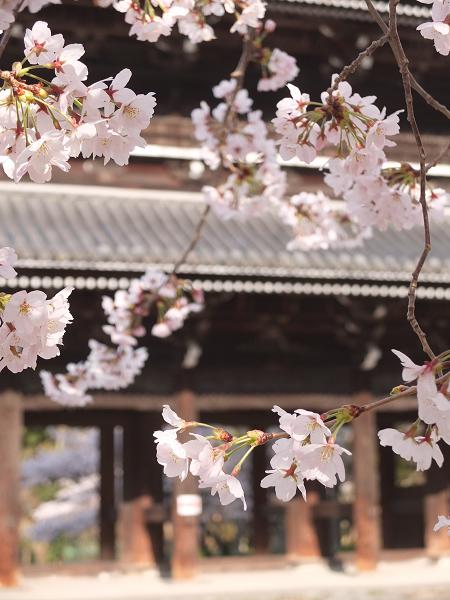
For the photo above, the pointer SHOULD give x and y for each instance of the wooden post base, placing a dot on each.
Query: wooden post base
(10, 444)
(366, 508)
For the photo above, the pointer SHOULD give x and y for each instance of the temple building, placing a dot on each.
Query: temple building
(298, 329)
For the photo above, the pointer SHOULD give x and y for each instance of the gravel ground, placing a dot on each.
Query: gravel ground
(416, 579)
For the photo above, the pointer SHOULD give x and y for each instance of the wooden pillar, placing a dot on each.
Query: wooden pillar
(260, 524)
(302, 540)
(10, 447)
(141, 540)
(185, 553)
(366, 508)
(107, 494)
(437, 502)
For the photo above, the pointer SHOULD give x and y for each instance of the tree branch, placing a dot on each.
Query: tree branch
(438, 158)
(408, 391)
(239, 72)
(194, 241)
(353, 66)
(238, 75)
(429, 99)
(7, 32)
(402, 62)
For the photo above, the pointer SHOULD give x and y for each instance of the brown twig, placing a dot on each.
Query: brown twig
(353, 66)
(5, 39)
(7, 32)
(402, 62)
(409, 391)
(438, 158)
(239, 72)
(194, 241)
(429, 99)
(238, 75)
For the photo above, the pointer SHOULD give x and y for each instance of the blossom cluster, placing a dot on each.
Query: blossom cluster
(173, 298)
(305, 450)
(318, 222)
(167, 298)
(433, 415)
(242, 147)
(278, 67)
(70, 461)
(151, 20)
(72, 454)
(438, 29)
(107, 368)
(359, 132)
(49, 117)
(74, 509)
(31, 325)
(9, 8)
(342, 120)
(381, 197)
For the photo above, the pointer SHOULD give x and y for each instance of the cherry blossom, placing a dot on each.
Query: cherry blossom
(32, 326)
(172, 456)
(206, 460)
(441, 523)
(284, 455)
(116, 367)
(411, 371)
(440, 399)
(279, 70)
(227, 487)
(420, 449)
(69, 389)
(106, 368)
(286, 482)
(174, 299)
(431, 401)
(255, 181)
(343, 120)
(70, 460)
(8, 258)
(172, 418)
(149, 23)
(302, 425)
(46, 119)
(41, 46)
(323, 462)
(318, 222)
(74, 454)
(438, 29)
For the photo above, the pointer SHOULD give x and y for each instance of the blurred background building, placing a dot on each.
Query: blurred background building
(311, 330)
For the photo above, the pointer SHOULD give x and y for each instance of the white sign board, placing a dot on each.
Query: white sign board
(189, 505)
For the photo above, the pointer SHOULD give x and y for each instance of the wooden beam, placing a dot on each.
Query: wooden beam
(121, 402)
(366, 507)
(107, 494)
(185, 553)
(10, 449)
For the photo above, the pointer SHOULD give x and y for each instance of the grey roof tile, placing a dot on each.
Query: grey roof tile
(110, 229)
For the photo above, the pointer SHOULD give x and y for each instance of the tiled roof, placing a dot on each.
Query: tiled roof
(408, 12)
(98, 229)
(109, 230)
